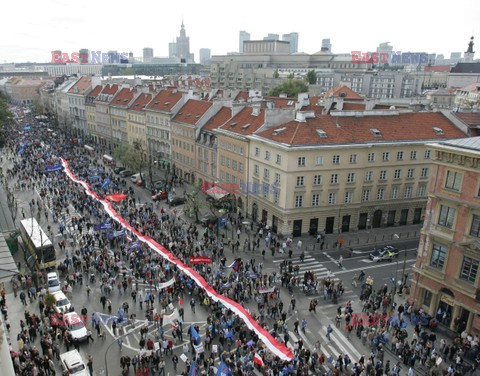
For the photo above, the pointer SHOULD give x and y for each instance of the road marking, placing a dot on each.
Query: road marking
(346, 341)
(369, 267)
(368, 261)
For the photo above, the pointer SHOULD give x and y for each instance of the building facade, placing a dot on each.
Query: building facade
(118, 112)
(136, 122)
(292, 38)
(243, 36)
(76, 98)
(103, 128)
(446, 273)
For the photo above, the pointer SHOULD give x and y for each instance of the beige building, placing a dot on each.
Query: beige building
(136, 123)
(344, 171)
(90, 113)
(25, 90)
(103, 130)
(118, 110)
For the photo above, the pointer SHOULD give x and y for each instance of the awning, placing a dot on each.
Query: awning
(217, 193)
(8, 267)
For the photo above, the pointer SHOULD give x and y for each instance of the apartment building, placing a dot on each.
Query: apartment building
(25, 90)
(446, 274)
(159, 113)
(103, 129)
(344, 171)
(90, 112)
(118, 111)
(62, 103)
(76, 99)
(136, 123)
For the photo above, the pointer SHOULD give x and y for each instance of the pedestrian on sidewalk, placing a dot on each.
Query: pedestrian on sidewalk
(340, 261)
(329, 331)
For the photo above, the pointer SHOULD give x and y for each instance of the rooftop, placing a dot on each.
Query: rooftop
(124, 97)
(218, 119)
(471, 119)
(192, 111)
(165, 100)
(245, 122)
(81, 86)
(141, 102)
(466, 68)
(470, 144)
(95, 91)
(344, 92)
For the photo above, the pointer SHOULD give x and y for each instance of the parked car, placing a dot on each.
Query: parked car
(387, 253)
(162, 195)
(76, 325)
(53, 282)
(62, 304)
(176, 201)
(135, 177)
(125, 173)
(208, 220)
(117, 170)
(73, 364)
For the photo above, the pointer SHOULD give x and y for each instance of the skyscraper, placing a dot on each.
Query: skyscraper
(242, 38)
(326, 45)
(172, 49)
(271, 36)
(183, 45)
(84, 56)
(205, 55)
(147, 54)
(293, 39)
(385, 48)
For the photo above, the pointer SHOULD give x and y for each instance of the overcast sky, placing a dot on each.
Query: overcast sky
(30, 29)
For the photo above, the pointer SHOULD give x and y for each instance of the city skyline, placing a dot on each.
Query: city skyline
(58, 28)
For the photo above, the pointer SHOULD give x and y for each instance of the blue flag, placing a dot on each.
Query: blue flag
(53, 168)
(223, 369)
(195, 335)
(106, 182)
(193, 369)
(20, 151)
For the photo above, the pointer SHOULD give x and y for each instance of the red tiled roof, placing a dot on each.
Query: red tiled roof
(282, 102)
(110, 89)
(244, 122)
(218, 119)
(343, 91)
(475, 87)
(354, 130)
(81, 86)
(353, 106)
(192, 111)
(469, 118)
(124, 97)
(165, 100)
(242, 95)
(314, 100)
(141, 102)
(437, 68)
(95, 91)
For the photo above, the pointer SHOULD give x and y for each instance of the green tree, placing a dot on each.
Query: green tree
(129, 156)
(194, 204)
(291, 76)
(6, 117)
(291, 88)
(276, 74)
(49, 300)
(311, 77)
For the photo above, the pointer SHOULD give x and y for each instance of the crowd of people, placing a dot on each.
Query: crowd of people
(114, 264)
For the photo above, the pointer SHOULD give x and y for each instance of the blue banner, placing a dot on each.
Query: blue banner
(26, 128)
(193, 369)
(102, 226)
(95, 177)
(54, 168)
(20, 151)
(251, 275)
(223, 369)
(106, 182)
(116, 234)
(135, 245)
(196, 337)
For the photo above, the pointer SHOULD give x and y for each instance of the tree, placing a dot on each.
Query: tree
(49, 300)
(291, 76)
(129, 156)
(6, 117)
(276, 74)
(291, 88)
(312, 77)
(194, 204)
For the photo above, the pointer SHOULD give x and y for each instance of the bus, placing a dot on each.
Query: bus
(40, 253)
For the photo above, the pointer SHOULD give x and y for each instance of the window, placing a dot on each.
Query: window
(240, 167)
(348, 197)
(427, 154)
(413, 154)
(255, 170)
(300, 180)
(368, 175)
(276, 194)
(266, 173)
(453, 181)
(228, 162)
(234, 165)
(353, 158)
(397, 174)
(351, 177)
(332, 198)
(298, 201)
(427, 298)
(336, 159)
(385, 156)
(267, 155)
(383, 175)
(317, 179)
(334, 179)
(475, 230)
(424, 173)
(241, 150)
(278, 159)
(469, 269)
(371, 157)
(422, 190)
(400, 156)
(301, 161)
(380, 193)
(316, 199)
(366, 195)
(277, 177)
(394, 192)
(410, 173)
(439, 255)
(257, 152)
(408, 192)
(222, 160)
(318, 160)
(446, 217)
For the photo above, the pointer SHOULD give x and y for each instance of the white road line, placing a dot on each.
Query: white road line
(347, 342)
(368, 261)
(380, 265)
(305, 339)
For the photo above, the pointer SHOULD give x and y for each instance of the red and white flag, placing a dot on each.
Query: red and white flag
(180, 301)
(258, 359)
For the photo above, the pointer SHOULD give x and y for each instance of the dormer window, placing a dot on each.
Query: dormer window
(278, 131)
(233, 124)
(438, 131)
(376, 132)
(322, 133)
(246, 126)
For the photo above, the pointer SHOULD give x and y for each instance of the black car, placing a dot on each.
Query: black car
(209, 220)
(117, 170)
(176, 201)
(387, 253)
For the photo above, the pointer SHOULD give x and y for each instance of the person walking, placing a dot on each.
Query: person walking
(304, 326)
(340, 262)
(329, 331)
(192, 304)
(90, 364)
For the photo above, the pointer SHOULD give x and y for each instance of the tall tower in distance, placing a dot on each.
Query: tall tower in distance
(183, 45)
(293, 39)
(470, 53)
(147, 55)
(326, 45)
(242, 38)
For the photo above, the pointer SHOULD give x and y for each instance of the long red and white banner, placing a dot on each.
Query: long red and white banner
(272, 344)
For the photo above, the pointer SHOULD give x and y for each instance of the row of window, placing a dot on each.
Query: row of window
(236, 166)
(231, 147)
(157, 120)
(182, 144)
(468, 270)
(184, 159)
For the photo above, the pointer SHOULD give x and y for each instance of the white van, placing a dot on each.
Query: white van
(53, 282)
(76, 325)
(73, 363)
(62, 304)
(135, 178)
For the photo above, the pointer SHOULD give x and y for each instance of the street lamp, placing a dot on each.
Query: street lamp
(396, 271)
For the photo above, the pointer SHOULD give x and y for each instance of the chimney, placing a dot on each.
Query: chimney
(255, 110)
